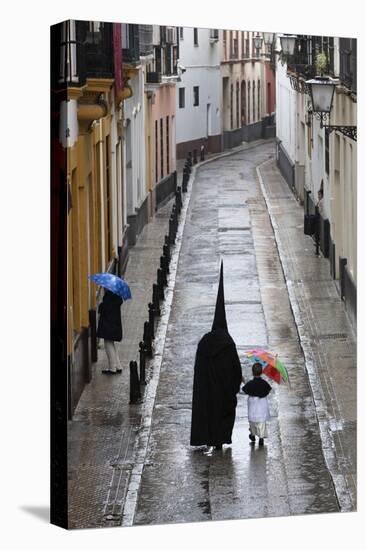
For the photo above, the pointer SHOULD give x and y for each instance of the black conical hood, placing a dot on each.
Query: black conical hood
(219, 321)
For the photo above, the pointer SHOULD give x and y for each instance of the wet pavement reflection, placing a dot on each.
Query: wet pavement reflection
(227, 219)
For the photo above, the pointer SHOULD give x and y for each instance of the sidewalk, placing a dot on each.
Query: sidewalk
(325, 333)
(102, 433)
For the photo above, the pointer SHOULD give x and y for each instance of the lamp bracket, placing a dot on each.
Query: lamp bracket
(348, 131)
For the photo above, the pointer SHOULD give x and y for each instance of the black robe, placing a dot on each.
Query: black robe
(217, 377)
(110, 324)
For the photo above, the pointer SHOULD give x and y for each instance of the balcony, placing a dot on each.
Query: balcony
(153, 78)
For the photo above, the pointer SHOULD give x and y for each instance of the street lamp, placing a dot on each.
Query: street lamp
(288, 42)
(321, 91)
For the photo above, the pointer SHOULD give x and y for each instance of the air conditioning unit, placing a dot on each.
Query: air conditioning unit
(214, 35)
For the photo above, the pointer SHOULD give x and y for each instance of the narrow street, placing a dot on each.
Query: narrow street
(302, 468)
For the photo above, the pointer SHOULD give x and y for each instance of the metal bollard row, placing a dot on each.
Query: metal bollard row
(145, 346)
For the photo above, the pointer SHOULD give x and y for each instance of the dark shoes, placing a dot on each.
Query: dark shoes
(218, 447)
(252, 438)
(261, 442)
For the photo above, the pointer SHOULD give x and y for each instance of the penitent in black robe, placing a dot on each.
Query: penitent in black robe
(217, 377)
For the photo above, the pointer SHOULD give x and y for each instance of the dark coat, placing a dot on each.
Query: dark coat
(217, 377)
(110, 324)
(257, 387)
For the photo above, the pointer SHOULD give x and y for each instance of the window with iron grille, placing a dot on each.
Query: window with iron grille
(181, 33)
(196, 96)
(161, 148)
(182, 99)
(242, 45)
(259, 99)
(195, 36)
(167, 145)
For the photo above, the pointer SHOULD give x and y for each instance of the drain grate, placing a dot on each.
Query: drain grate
(336, 336)
(223, 229)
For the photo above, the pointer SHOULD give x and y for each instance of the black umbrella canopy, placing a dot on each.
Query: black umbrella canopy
(219, 321)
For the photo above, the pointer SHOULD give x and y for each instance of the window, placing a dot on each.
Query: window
(327, 151)
(167, 145)
(242, 44)
(248, 102)
(259, 99)
(157, 59)
(161, 148)
(253, 101)
(196, 96)
(181, 33)
(231, 106)
(195, 36)
(182, 99)
(243, 103)
(156, 152)
(237, 104)
(247, 48)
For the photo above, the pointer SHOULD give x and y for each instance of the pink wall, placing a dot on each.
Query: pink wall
(164, 106)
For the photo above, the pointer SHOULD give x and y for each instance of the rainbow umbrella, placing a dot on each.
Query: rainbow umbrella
(272, 366)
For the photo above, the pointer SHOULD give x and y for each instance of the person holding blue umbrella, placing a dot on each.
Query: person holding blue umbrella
(110, 323)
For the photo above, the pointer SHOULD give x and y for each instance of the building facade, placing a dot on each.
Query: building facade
(248, 95)
(198, 103)
(317, 161)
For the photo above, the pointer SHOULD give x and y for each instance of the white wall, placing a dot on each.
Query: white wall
(286, 111)
(202, 69)
(134, 112)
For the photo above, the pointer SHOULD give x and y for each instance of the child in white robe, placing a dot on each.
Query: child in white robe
(257, 390)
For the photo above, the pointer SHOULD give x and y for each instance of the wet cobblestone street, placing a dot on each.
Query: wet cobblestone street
(133, 464)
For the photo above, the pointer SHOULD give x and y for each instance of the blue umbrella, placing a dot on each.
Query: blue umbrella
(113, 283)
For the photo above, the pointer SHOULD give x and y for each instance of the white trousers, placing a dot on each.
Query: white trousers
(114, 364)
(258, 428)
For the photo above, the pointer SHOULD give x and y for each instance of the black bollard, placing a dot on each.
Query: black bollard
(171, 230)
(142, 363)
(135, 393)
(156, 299)
(167, 244)
(160, 284)
(166, 256)
(202, 153)
(147, 339)
(151, 319)
(179, 190)
(189, 158)
(163, 267)
(194, 156)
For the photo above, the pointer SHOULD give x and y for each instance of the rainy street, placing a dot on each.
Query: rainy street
(298, 469)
